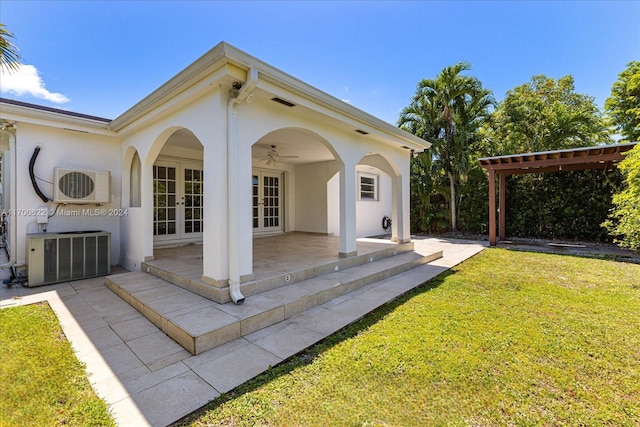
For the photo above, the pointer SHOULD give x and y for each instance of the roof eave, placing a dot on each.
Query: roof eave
(224, 53)
(17, 111)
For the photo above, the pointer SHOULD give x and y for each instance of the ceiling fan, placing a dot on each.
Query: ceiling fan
(273, 156)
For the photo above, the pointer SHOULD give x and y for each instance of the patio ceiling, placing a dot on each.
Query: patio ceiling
(302, 146)
(600, 157)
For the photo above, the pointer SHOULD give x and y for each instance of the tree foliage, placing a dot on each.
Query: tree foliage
(623, 106)
(624, 220)
(545, 114)
(447, 111)
(540, 115)
(9, 56)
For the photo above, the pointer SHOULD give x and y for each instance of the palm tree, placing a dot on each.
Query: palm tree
(9, 56)
(448, 111)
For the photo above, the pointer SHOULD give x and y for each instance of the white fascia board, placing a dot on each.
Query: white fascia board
(205, 67)
(171, 103)
(60, 120)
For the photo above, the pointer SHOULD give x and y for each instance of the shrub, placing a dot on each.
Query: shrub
(624, 220)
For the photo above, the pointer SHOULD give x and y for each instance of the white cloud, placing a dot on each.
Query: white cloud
(27, 81)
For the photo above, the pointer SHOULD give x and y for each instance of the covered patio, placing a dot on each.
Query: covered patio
(600, 157)
(232, 148)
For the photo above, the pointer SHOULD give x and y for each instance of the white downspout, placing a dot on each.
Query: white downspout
(9, 130)
(236, 96)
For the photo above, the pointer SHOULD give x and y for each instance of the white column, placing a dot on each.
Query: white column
(145, 220)
(401, 208)
(215, 262)
(348, 246)
(396, 207)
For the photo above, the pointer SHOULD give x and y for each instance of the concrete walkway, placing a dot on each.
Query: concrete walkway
(148, 379)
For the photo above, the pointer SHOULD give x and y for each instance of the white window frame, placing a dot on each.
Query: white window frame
(376, 179)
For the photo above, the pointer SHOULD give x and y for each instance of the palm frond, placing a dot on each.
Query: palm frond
(9, 56)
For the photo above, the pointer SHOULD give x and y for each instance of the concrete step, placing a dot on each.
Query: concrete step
(199, 324)
(186, 277)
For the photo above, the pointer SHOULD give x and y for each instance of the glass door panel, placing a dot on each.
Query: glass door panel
(193, 194)
(271, 200)
(267, 202)
(164, 202)
(178, 196)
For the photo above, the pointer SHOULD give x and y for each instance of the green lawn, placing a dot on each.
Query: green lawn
(42, 383)
(507, 338)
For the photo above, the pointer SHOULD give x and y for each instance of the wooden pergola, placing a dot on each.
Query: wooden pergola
(601, 157)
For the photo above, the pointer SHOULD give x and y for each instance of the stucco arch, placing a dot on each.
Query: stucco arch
(308, 145)
(382, 162)
(138, 223)
(376, 169)
(163, 137)
(391, 200)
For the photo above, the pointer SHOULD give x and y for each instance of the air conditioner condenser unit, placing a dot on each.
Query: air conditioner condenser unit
(60, 257)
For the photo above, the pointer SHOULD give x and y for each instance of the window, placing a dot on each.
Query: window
(368, 186)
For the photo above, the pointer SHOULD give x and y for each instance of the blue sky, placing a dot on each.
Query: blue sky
(100, 58)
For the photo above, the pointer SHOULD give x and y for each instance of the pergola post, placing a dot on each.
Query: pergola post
(503, 206)
(492, 207)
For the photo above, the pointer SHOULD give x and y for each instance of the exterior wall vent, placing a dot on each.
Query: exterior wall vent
(81, 186)
(360, 131)
(283, 102)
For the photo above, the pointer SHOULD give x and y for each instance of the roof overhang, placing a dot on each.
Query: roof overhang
(599, 157)
(17, 111)
(225, 63)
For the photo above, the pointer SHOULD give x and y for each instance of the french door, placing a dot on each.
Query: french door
(267, 202)
(177, 201)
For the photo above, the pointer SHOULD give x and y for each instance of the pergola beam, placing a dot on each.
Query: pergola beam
(559, 168)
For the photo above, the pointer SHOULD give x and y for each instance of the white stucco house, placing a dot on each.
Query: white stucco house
(228, 150)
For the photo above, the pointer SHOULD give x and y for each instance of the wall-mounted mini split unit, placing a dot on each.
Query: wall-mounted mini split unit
(81, 186)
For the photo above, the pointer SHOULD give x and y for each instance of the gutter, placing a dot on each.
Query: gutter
(237, 95)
